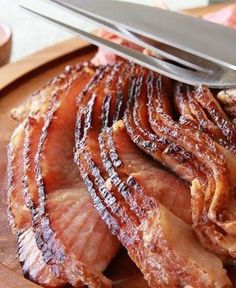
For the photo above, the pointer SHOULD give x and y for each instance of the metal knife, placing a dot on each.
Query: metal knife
(211, 41)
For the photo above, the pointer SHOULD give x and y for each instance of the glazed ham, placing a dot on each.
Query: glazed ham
(55, 229)
(127, 188)
(21, 217)
(20, 206)
(147, 189)
(118, 154)
(75, 223)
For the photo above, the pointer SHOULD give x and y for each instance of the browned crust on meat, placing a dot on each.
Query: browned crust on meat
(143, 205)
(29, 255)
(201, 107)
(196, 147)
(192, 155)
(55, 253)
(38, 102)
(122, 203)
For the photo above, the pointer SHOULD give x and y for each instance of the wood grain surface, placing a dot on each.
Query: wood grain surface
(14, 71)
(204, 10)
(18, 81)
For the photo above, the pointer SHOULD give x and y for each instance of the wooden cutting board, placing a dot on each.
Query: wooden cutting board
(17, 81)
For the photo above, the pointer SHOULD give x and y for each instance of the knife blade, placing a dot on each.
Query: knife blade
(207, 40)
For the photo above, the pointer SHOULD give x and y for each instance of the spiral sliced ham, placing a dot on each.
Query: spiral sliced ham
(102, 152)
(67, 208)
(127, 192)
(193, 155)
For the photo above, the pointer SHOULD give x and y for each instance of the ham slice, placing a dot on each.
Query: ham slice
(30, 255)
(66, 218)
(154, 180)
(20, 163)
(54, 259)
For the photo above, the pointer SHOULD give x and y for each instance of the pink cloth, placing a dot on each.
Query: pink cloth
(226, 16)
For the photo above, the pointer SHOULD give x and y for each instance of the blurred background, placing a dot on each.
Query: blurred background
(29, 32)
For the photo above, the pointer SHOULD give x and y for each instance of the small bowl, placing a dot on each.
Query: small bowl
(5, 43)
